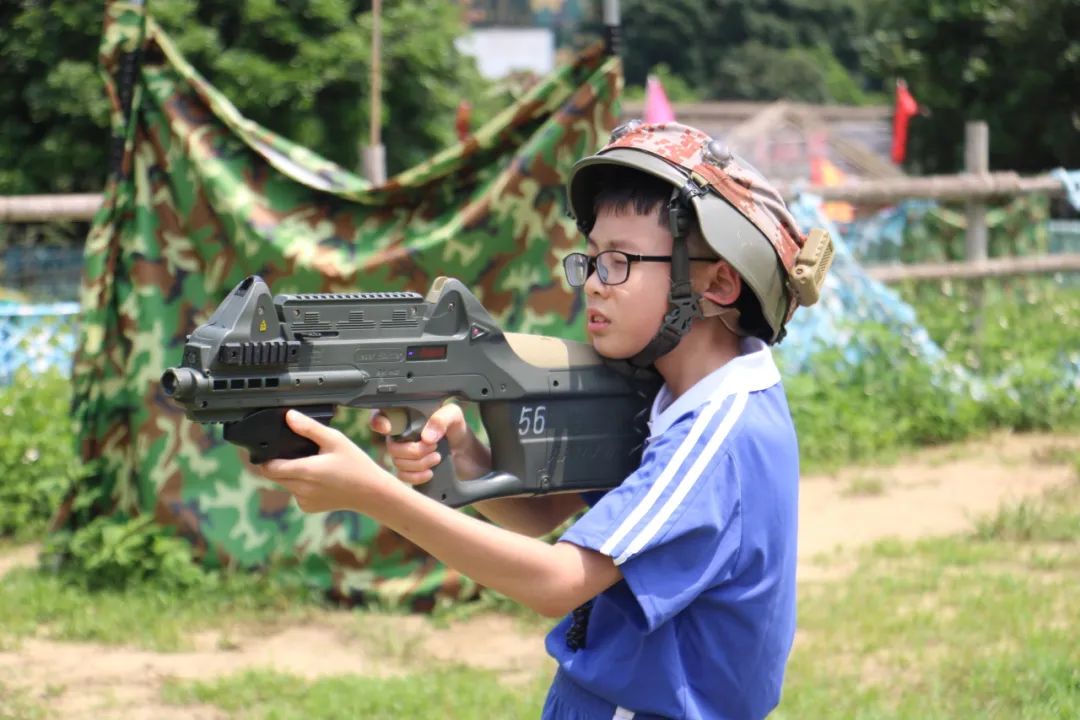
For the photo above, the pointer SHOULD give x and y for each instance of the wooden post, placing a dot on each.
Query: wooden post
(373, 156)
(612, 20)
(976, 161)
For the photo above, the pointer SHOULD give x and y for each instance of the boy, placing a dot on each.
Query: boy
(683, 577)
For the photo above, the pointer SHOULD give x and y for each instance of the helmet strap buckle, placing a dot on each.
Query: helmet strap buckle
(683, 303)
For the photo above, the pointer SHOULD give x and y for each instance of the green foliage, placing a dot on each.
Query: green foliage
(1012, 63)
(1012, 338)
(153, 614)
(676, 89)
(301, 69)
(808, 74)
(54, 125)
(38, 461)
(1020, 335)
(488, 601)
(454, 692)
(857, 410)
(964, 626)
(113, 553)
(17, 704)
(1053, 519)
(991, 326)
(762, 50)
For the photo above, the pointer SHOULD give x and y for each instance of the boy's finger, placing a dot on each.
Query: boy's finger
(451, 419)
(410, 450)
(270, 469)
(434, 430)
(323, 435)
(280, 470)
(416, 478)
(442, 422)
(418, 464)
(380, 423)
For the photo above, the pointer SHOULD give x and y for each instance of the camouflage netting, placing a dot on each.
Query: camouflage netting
(204, 197)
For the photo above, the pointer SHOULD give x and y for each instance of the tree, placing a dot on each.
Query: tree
(53, 113)
(749, 49)
(1013, 63)
(300, 68)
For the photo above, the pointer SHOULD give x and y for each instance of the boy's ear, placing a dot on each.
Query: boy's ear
(722, 283)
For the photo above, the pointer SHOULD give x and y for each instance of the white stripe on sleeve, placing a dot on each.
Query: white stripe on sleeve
(688, 480)
(661, 483)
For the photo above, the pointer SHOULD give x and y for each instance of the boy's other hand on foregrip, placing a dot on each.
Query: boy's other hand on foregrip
(415, 459)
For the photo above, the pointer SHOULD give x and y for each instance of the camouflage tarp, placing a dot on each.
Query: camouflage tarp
(206, 197)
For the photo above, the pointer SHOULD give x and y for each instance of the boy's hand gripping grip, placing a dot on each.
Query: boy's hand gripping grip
(406, 424)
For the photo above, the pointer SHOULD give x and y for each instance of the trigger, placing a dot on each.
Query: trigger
(414, 426)
(399, 420)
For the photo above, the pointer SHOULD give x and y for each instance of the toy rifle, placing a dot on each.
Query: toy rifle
(557, 417)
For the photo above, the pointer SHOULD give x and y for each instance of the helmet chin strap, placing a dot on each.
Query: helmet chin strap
(683, 303)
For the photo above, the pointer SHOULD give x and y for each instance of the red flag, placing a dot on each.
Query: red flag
(905, 107)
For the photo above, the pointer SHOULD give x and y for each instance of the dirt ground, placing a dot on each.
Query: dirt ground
(932, 492)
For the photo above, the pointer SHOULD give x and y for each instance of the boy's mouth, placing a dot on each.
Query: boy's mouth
(596, 320)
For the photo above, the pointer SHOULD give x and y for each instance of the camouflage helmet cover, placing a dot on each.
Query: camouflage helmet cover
(740, 215)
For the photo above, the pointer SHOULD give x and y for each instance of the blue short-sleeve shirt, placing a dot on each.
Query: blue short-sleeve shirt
(704, 533)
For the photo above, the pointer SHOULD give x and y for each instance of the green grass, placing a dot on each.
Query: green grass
(16, 704)
(34, 602)
(864, 486)
(489, 601)
(454, 692)
(983, 625)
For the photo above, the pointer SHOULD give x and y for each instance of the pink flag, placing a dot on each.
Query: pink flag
(657, 107)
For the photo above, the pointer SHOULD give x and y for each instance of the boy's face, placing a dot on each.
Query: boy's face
(621, 319)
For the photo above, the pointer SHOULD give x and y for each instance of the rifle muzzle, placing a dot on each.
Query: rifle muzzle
(179, 383)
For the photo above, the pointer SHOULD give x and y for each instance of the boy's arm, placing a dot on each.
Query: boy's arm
(550, 579)
(533, 516)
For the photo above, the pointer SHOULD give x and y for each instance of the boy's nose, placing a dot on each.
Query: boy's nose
(593, 286)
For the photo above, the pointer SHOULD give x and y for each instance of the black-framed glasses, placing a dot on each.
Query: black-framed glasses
(612, 266)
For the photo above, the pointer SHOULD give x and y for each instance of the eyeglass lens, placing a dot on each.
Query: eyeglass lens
(610, 265)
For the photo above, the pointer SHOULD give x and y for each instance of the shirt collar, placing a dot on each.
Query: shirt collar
(752, 370)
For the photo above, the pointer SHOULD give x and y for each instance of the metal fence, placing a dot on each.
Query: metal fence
(37, 338)
(41, 273)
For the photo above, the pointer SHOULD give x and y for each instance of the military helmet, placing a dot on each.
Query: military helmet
(739, 214)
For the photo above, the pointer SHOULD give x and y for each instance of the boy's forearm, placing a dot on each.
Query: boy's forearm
(550, 579)
(533, 516)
